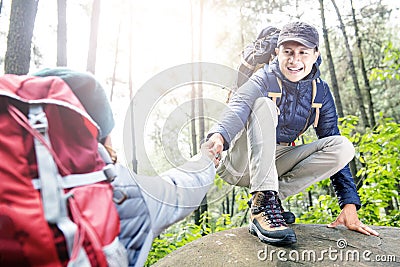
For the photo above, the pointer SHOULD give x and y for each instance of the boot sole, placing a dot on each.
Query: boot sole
(286, 240)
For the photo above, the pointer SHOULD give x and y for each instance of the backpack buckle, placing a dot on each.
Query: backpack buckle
(110, 172)
(119, 196)
(38, 119)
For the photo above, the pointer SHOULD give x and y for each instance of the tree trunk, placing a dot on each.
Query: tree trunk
(116, 61)
(354, 170)
(134, 153)
(193, 93)
(19, 40)
(310, 202)
(363, 69)
(62, 33)
(94, 29)
(193, 121)
(244, 220)
(226, 211)
(233, 201)
(389, 207)
(197, 213)
(334, 82)
(204, 204)
(396, 198)
(364, 118)
(200, 91)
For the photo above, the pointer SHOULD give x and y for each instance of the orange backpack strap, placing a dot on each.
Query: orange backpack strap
(317, 97)
(274, 88)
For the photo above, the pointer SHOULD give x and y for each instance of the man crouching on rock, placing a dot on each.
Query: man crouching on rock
(257, 132)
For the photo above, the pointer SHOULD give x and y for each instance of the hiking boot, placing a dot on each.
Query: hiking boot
(288, 216)
(266, 220)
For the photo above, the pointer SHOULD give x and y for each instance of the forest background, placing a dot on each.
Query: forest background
(127, 43)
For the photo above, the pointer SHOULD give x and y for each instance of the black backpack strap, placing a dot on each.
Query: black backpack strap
(317, 97)
(273, 87)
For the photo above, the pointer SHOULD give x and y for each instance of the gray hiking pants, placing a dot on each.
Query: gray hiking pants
(255, 160)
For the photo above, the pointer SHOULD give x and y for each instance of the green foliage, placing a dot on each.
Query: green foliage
(379, 154)
(170, 241)
(218, 182)
(377, 151)
(222, 223)
(324, 212)
(185, 232)
(241, 199)
(348, 128)
(391, 63)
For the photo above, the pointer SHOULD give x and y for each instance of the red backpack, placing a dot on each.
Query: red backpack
(55, 197)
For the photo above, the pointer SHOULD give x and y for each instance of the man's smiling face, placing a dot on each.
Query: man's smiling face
(296, 60)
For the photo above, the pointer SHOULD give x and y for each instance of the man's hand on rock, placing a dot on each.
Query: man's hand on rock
(349, 218)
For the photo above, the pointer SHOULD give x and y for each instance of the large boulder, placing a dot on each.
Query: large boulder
(317, 245)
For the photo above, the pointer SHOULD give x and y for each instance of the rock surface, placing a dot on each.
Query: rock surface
(317, 245)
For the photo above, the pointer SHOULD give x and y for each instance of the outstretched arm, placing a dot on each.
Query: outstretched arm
(174, 194)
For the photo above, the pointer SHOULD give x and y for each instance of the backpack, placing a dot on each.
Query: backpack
(56, 205)
(259, 53)
(255, 55)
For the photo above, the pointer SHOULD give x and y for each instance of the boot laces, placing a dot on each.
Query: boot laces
(272, 211)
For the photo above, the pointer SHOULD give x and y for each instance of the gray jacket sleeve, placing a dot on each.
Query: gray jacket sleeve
(174, 194)
(234, 117)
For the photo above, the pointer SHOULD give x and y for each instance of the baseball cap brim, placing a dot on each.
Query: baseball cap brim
(298, 40)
